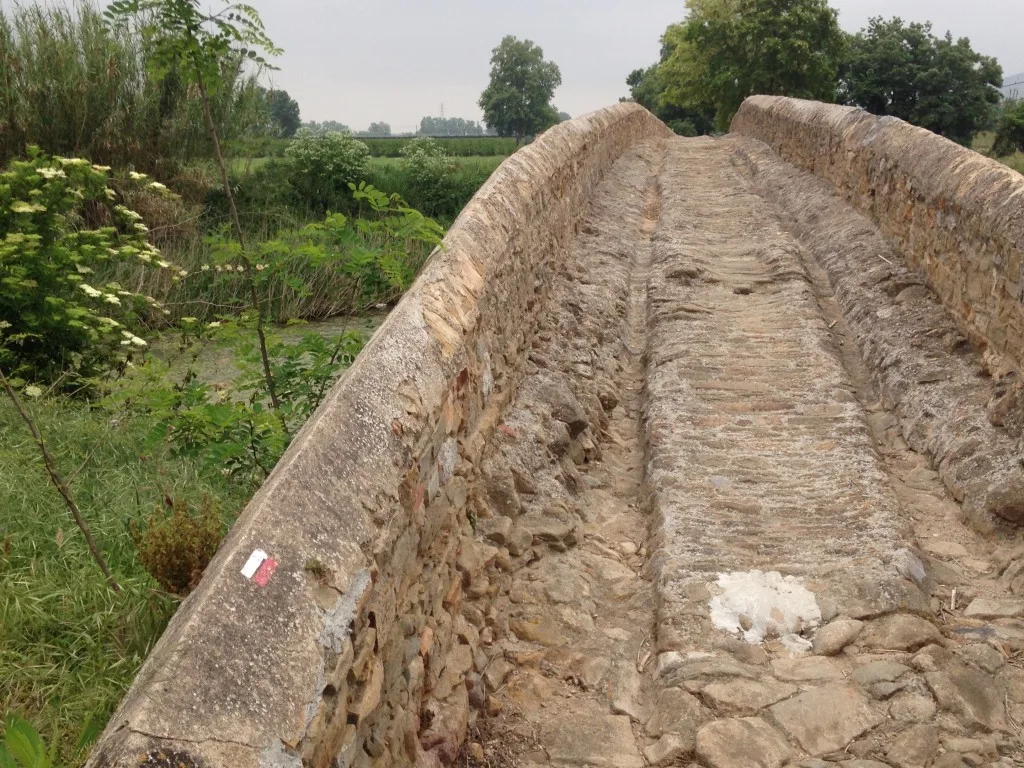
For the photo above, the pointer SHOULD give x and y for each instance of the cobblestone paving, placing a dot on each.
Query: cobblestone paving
(709, 543)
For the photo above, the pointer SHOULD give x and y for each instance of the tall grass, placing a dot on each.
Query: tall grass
(69, 646)
(71, 85)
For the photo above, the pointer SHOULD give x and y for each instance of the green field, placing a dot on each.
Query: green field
(468, 147)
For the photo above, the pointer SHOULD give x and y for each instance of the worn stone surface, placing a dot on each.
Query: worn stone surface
(824, 720)
(747, 742)
(745, 697)
(900, 632)
(833, 637)
(975, 697)
(591, 739)
(987, 608)
(879, 671)
(806, 669)
(676, 711)
(915, 747)
(921, 219)
(669, 747)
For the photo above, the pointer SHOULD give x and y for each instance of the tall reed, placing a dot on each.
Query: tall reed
(71, 85)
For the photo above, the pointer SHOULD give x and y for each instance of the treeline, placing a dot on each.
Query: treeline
(727, 50)
(449, 126)
(436, 127)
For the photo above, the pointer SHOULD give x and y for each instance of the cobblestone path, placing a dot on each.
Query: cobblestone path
(709, 542)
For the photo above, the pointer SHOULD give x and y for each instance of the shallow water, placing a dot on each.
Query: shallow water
(216, 364)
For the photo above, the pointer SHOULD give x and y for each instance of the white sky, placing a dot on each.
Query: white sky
(359, 61)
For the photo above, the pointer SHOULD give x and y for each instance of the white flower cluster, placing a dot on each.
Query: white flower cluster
(20, 206)
(127, 212)
(130, 338)
(51, 173)
(95, 293)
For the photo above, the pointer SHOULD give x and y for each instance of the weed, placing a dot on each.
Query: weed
(175, 545)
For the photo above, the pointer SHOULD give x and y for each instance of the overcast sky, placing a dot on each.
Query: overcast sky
(359, 61)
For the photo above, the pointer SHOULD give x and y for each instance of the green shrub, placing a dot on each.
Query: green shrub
(430, 175)
(175, 546)
(59, 225)
(1010, 130)
(324, 164)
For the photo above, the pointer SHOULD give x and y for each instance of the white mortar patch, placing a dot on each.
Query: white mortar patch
(760, 605)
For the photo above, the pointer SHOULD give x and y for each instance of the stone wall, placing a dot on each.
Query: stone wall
(954, 213)
(328, 631)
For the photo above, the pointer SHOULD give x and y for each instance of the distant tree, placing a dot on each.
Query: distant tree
(900, 69)
(1009, 130)
(284, 114)
(327, 126)
(449, 126)
(727, 50)
(563, 116)
(377, 129)
(517, 101)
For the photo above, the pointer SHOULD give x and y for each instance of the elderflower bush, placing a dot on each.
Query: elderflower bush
(59, 226)
(325, 163)
(431, 174)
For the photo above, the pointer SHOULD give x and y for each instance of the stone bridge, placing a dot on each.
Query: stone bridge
(695, 452)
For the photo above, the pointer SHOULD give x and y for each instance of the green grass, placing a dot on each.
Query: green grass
(69, 646)
(239, 166)
(983, 144)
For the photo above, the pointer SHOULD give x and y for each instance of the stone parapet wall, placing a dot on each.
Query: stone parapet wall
(954, 213)
(348, 628)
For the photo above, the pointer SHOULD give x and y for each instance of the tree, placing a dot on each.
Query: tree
(1009, 130)
(377, 129)
(327, 126)
(449, 126)
(727, 50)
(284, 114)
(517, 101)
(564, 116)
(894, 68)
(647, 88)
